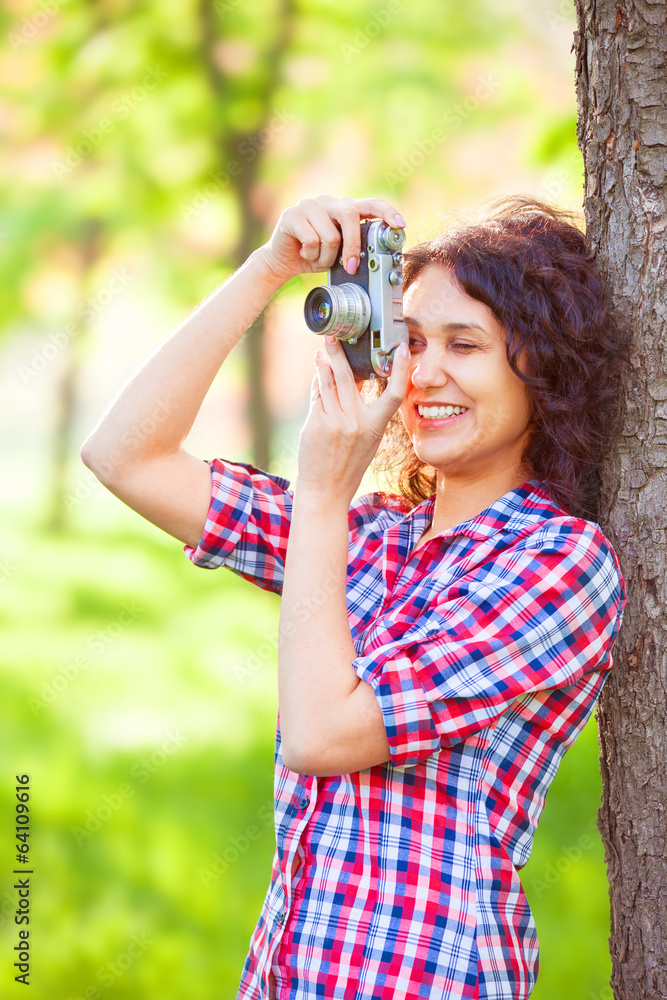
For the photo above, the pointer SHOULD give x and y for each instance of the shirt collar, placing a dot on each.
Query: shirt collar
(524, 505)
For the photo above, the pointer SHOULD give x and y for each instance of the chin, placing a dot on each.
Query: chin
(446, 462)
(439, 462)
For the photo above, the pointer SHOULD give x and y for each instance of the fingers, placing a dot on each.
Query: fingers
(315, 230)
(336, 400)
(376, 208)
(325, 385)
(336, 386)
(346, 387)
(317, 223)
(348, 212)
(339, 390)
(348, 216)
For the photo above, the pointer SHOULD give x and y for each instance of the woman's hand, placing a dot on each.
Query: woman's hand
(306, 237)
(342, 432)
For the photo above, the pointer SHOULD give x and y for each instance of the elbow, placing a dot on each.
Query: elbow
(313, 761)
(87, 453)
(104, 463)
(300, 742)
(293, 759)
(300, 759)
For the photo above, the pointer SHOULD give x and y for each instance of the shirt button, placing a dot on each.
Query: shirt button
(303, 803)
(281, 918)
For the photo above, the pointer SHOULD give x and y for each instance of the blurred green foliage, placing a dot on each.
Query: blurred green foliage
(156, 142)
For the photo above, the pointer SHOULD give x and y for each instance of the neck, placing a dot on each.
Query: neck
(459, 500)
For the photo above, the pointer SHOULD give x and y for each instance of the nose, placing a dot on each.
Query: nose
(428, 371)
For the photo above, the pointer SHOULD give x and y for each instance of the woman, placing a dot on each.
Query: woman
(440, 648)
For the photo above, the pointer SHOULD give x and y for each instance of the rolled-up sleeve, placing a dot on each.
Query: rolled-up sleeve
(534, 617)
(247, 526)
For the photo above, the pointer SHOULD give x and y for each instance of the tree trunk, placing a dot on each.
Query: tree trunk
(68, 385)
(253, 228)
(621, 74)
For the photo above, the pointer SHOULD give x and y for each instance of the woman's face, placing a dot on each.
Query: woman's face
(458, 359)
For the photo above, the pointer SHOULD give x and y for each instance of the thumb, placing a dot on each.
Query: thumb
(392, 397)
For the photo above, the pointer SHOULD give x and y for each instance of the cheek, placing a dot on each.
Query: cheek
(513, 393)
(495, 419)
(504, 405)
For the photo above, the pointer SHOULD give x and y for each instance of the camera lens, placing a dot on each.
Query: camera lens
(341, 310)
(320, 310)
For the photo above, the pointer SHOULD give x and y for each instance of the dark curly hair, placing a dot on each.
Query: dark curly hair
(529, 263)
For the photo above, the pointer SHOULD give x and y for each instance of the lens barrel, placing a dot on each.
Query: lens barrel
(343, 311)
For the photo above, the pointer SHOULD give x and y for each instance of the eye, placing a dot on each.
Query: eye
(469, 347)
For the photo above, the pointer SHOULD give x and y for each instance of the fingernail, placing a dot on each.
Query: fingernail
(330, 339)
(404, 350)
(319, 356)
(352, 265)
(400, 221)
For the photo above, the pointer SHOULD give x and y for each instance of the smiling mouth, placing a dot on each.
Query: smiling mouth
(440, 414)
(440, 410)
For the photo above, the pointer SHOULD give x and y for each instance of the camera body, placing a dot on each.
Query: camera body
(364, 310)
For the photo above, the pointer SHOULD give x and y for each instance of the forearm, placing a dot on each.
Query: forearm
(155, 410)
(315, 651)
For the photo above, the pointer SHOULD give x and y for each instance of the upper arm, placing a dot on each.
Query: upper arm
(173, 491)
(227, 513)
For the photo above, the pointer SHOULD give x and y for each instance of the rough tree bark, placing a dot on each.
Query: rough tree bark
(621, 70)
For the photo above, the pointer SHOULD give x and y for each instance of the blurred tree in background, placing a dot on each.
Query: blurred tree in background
(148, 148)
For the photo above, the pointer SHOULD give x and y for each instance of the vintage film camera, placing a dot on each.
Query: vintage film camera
(364, 310)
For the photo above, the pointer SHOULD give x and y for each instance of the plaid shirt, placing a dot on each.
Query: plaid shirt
(487, 650)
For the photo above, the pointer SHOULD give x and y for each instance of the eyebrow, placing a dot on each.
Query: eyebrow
(446, 327)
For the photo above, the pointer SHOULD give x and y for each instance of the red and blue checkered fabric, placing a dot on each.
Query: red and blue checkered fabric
(487, 649)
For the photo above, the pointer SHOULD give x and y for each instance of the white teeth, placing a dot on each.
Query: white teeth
(439, 412)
